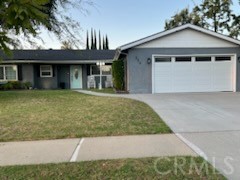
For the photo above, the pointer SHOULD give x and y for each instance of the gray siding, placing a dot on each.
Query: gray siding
(140, 73)
(84, 76)
(45, 83)
(28, 73)
(64, 75)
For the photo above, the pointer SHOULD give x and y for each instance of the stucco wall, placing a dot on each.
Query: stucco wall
(140, 72)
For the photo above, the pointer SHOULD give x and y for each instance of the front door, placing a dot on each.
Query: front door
(76, 76)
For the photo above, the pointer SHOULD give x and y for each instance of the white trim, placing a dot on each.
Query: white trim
(180, 28)
(41, 71)
(4, 73)
(234, 73)
(233, 59)
(57, 62)
(153, 74)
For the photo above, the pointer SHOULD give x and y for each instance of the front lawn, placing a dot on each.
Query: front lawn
(147, 168)
(35, 115)
(104, 90)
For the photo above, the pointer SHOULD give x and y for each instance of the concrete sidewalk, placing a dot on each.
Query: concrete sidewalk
(86, 149)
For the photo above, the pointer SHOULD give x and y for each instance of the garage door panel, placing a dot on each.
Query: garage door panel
(202, 76)
(222, 80)
(196, 76)
(163, 76)
(182, 75)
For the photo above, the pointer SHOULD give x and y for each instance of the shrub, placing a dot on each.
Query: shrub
(27, 85)
(118, 74)
(15, 85)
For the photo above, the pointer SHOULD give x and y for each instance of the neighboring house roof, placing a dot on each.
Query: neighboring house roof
(58, 55)
(180, 28)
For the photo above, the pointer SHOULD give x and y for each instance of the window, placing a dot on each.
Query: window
(95, 70)
(106, 70)
(203, 59)
(162, 59)
(183, 59)
(223, 58)
(8, 73)
(1, 73)
(46, 71)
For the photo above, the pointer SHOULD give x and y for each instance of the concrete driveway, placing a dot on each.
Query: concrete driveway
(208, 121)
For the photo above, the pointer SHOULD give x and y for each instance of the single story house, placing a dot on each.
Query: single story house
(53, 69)
(184, 59)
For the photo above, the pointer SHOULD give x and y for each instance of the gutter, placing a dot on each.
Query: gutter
(55, 62)
(118, 53)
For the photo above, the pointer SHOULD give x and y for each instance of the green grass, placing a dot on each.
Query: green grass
(147, 168)
(35, 115)
(104, 90)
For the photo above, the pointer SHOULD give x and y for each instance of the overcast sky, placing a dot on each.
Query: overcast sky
(127, 20)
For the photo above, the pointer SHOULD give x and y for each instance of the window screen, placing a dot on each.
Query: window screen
(183, 59)
(46, 71)
(223, 58)
(11, 73)
(1, 73)
(163, 59)
(95, 70)
(203, 59)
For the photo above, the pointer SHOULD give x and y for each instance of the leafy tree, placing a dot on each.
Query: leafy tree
(28, 17)
(184, 17)
(217, 14)
(87, 42)
(66, 45)
(235, 27)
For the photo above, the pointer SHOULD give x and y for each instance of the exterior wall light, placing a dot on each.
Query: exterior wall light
(149, 60)
(238, 58)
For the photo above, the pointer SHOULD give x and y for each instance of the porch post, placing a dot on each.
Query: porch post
(100, 85)
(100, 64)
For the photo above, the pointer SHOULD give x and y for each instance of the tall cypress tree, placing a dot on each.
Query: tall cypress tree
(87, 43)
(103, 42)
(107, 43)
(99, 41)
(92, 41)
(95, 40)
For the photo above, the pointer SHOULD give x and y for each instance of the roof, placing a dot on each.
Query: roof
(58, 55)
(168, 32)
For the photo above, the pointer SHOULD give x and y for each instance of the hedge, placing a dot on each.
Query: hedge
(118, 74)
(12, 85)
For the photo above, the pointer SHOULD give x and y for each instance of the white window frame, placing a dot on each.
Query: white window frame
(99, 73)
(41, 71)
(4, 73)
